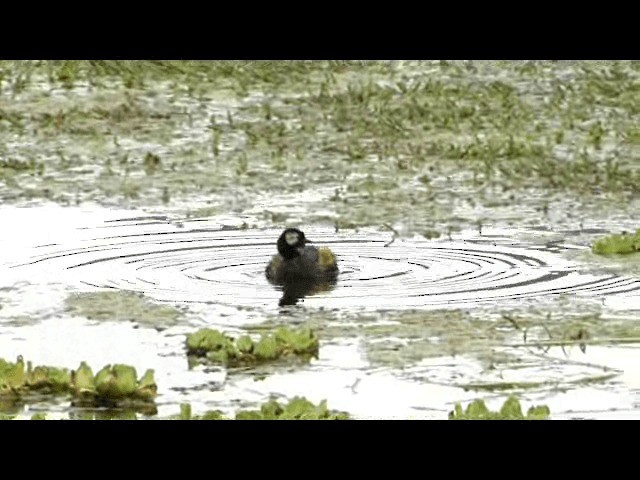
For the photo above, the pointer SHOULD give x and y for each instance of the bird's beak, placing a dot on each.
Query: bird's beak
(307, 241)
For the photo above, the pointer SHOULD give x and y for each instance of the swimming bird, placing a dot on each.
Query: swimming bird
(298, 262)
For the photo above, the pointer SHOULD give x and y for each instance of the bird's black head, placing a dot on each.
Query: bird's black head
(291, 242)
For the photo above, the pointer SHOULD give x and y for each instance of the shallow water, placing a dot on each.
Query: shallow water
(517, 166)
(214, 272)
(201, 261)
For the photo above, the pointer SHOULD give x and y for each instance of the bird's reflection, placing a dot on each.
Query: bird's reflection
(292, 292)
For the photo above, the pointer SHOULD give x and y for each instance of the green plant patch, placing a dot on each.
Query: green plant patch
(284, 343)
(112, 385)
(185, 414)
(511, 410)
(623, 243)
(298, 408)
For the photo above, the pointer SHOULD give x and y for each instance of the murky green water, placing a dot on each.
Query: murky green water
(460, 199)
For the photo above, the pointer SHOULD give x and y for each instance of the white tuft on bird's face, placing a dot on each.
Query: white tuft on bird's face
(291, 238)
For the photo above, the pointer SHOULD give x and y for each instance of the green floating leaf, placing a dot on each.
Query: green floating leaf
(299, 342)
(83, 382)
(541, 412)
(511, 410)
(207, 340)
(147, 388)
(186, 414)
(302, 409)
(298, 408)
(116, 382)
(103, 375)
(271, 409)
(624, 243)
(478, 409)
(12, 375)
(266, 348)
(219, 356)
(56, 379)
(245, 344)
(185, 411)
(219, 348)
(213, 415)
(249, 415)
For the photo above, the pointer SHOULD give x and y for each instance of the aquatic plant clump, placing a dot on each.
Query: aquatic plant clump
(298, 408)
(511, 410)
(623, 243)
(119, 382)
(219, 348)
(112, 384)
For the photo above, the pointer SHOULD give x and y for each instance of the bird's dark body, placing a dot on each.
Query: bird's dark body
(298, 262)
(305, 267)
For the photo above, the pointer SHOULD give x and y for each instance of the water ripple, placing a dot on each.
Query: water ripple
(226, 266)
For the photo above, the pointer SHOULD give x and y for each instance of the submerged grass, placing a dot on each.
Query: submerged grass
(478, 351)
(398, 142)
(423, 145)
(122, 306)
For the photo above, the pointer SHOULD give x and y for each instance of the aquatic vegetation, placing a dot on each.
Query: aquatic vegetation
(430, 133)
(185, 414)
(120, 413)
(430, 147)
(618, 243)
(121, 305)
(284, 343)
(120, 381)
(298, 408)
(511, 410)
(111, 385)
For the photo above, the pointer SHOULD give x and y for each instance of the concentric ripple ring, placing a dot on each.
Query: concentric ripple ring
(176, 263)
